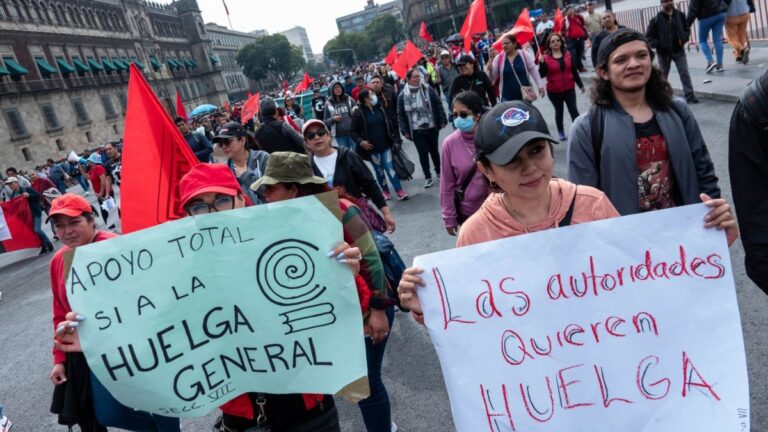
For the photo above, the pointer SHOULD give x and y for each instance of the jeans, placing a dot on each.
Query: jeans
(376, 409)
(576, 47)
(681, 63)
(715, 24)
(37, 227)
(383, 167)
(558, 99)
(83, 182)
(346, 141)
(426, 145)
(61, 185)
(111, 413)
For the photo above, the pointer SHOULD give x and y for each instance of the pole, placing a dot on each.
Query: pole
(230, 23)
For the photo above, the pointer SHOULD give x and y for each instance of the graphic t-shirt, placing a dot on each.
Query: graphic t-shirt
(327, 166)
(656, 181)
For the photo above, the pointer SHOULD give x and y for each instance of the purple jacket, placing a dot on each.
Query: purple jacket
(457, 158)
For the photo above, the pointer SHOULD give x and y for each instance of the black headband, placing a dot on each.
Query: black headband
(615, 40)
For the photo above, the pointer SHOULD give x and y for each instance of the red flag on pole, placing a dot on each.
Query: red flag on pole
(475, 22)
(180, 111)
(559, 22)
(424, 33)
(522, 31)
(16, 231)
(304, 84)
(409, 57)
(392, 56)
(285, 85)
(155, 157)
(250, 108)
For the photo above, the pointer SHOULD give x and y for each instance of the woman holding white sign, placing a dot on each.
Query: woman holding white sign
(514, 153)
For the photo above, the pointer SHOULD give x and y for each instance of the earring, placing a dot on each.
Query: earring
(493, 184)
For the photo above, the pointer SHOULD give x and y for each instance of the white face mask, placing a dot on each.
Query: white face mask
(374, 100)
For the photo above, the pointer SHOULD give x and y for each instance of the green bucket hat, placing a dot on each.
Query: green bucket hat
(287, 167)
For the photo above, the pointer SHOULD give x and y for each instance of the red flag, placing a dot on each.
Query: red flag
(225, 7)
(400, 66)
(475, 22)
(155, 157)
(248, 95)
(392, 56)
(250, 108)
(226, 106)
(522, 31)
(285, 85)
(16, 218)
(304, 84)
(409, 57)
(559, 22)
(424, 33)
(180, 111)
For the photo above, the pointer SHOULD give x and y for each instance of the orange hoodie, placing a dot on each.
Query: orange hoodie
(493, 221)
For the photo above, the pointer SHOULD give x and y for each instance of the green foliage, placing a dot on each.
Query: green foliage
(384, 31)
(340, 48)
(269, 57)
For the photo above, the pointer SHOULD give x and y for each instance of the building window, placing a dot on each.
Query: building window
(88, 136)
(123, 101)
(430, 8)
(114, 128)
(27, 154)
(16, 123)
(80, 112)
(60, 144)
(109, 109)
(50, 118)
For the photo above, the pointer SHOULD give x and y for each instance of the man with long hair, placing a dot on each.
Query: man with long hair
(638, 133)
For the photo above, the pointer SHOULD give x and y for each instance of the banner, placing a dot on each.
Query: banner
(187, 315)
(628, 324)
(16, 224)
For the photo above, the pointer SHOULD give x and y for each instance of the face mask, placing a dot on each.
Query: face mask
(464, 124)
(374, 100)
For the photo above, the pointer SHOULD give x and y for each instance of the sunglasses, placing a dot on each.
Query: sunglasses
(463, 114)
(226, 143)
(311, 135)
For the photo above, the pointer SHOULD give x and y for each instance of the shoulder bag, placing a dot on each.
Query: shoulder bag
(528, 92)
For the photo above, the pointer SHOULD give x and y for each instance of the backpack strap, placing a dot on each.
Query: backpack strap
(597, 125)
(569, 215)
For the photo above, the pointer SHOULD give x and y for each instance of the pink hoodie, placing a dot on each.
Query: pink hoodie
(493, 221)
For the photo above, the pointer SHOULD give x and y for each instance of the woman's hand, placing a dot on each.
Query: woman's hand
(452, 230)
(346, 254)
(66, 338)
(58, 374)
(407, 287)
(377, 326)
(543, 91)
(721, 217)
(582, 90)
(366, 145)
(389, 220)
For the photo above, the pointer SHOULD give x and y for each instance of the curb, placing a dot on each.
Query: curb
(721, 97)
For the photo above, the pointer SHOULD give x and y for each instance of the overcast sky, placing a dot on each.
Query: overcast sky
(317, 16)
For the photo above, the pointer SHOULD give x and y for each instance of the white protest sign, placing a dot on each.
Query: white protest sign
(5, 232)
(629, 324)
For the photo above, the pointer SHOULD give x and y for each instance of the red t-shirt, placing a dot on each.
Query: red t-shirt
(59, 288)
(95, 173)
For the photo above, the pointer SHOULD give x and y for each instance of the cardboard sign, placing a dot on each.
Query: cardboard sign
(618, 325)
(187, 315)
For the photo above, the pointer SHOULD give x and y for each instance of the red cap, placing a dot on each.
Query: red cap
(69, 204)
(206, 177)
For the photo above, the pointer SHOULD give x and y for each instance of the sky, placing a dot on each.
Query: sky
(317, 16)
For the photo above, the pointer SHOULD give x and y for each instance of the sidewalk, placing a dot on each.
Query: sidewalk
(724, 86)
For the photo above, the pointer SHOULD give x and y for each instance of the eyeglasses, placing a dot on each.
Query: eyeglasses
(220, 203)
(463, 114)
(311, 135)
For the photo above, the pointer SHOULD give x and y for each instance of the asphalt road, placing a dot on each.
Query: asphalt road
(411, 368)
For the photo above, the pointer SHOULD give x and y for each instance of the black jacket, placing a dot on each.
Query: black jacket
(359, 131)
(388, 100)
(748, 165)
(668, 34)
(479, 83)
(352, 175)
(275, 135)
(705, 8)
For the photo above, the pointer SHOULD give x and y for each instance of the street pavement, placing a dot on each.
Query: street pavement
(411, 369)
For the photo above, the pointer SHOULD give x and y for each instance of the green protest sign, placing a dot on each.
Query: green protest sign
(187, 315)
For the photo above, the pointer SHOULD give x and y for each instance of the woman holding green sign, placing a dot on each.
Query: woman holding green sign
(514, 153)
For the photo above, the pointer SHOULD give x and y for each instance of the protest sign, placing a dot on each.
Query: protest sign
(5, 231)
(184, 316)
(618, 325)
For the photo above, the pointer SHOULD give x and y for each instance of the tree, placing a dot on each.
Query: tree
(270, 57)
(341, 48)
(315, 69)
(384, 31)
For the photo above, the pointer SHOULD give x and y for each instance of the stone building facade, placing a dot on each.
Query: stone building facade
(64, 70)
(226, 44)
(356, 22)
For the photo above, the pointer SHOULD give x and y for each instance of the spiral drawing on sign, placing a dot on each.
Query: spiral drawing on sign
(285, 272)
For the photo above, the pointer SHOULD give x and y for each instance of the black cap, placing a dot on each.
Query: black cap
(507, 128)
(464, 59)
(230, 130)
(615, 40)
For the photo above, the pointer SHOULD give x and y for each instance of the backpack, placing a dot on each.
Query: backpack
(393, 263)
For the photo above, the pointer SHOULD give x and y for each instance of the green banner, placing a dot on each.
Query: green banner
(187, 315)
